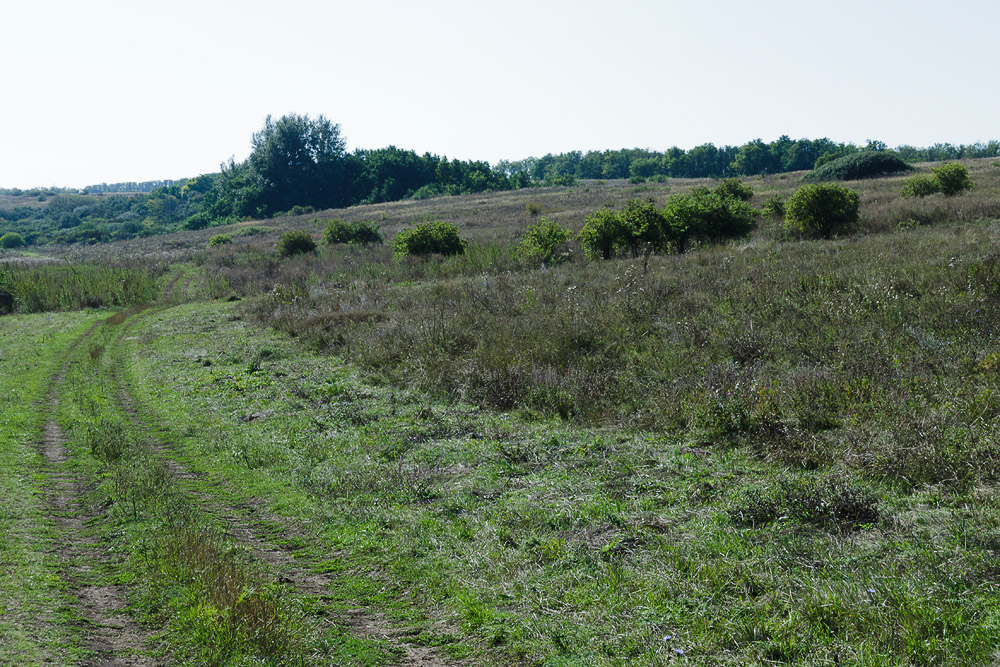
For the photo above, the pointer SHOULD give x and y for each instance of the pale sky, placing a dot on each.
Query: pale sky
(111, 91)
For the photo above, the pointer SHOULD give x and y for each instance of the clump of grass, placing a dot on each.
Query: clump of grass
(828, 504)
(233, 611)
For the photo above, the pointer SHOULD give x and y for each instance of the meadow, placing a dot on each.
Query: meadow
(773, 450)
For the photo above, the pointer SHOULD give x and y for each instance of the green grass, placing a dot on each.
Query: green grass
(48, 287)
(770, 451)
(38, 622)
(547, 543)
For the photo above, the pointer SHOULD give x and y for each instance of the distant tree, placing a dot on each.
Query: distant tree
(755, 158)
(295, 160)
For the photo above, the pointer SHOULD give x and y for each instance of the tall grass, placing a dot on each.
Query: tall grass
(48, 287)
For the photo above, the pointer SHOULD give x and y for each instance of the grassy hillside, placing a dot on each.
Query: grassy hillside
(774, 450)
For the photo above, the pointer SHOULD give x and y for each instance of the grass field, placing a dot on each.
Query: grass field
(772, 451)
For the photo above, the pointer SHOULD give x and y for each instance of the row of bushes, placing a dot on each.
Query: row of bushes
(817, 210)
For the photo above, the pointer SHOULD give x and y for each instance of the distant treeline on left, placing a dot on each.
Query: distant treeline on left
(299, 164)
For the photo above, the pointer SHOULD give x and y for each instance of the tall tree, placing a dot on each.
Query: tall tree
(295, 161)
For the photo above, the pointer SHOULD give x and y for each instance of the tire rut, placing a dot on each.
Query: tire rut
(252, 533)
(109, 632)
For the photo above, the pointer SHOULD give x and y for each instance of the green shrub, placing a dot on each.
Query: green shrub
(295, 243)
(219, 239)
(361, 233)
(604, 233)
(429, 238)
(252, 230)
(533, 208)
(921, 186)
(11, 240)
(866, 164)
(774, 206)
(952, 178)
(708, 216)
(821, 209)
(542, 241)
(735, 189)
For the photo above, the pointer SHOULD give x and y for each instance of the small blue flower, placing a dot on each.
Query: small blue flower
(668, 638)
(679, 651)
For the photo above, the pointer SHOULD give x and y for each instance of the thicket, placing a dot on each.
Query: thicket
(360, 233)
(701, 214)
(866, 164)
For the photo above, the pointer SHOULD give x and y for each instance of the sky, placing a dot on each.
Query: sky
(108, 91)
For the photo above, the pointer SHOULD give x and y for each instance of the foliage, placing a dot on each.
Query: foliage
(43, 288)
(11, 240)
(361, 233)
(952, 177)
(428, 238)
(822, 209)
(700, 214)
(219, 239)
(921, 186)
(604, 233)
(705, 215)
(864, 164)
(295, 243)
(774, 207)
(735, 189)
(541, 241)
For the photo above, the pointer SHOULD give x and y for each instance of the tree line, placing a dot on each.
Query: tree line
(298, 164)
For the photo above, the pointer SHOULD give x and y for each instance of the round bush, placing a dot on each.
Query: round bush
(866, 164)
(821, 210)
(604, 233)
(733, 188)
(219, 239)
(920, 186)
(11, 240)
(428, 238)
(295, 243)
(541, 241)
(952, 178)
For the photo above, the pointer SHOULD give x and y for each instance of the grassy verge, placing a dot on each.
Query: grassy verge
(37, 618)
(545, 543)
